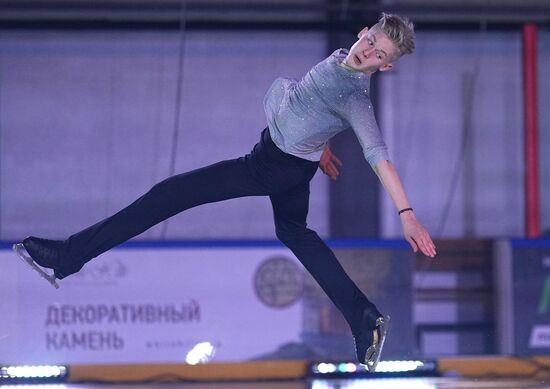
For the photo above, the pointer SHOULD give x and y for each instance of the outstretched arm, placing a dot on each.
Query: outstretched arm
(415, 233)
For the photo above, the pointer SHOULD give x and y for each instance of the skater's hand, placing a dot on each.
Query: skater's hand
(329, 163)
(417, 235)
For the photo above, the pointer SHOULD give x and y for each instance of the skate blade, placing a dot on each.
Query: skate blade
(22, 253)
(373, 354)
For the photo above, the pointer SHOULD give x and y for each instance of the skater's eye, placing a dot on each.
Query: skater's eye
(381, 54)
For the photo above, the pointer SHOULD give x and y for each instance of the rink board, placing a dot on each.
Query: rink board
(154, 304)
(523, 287)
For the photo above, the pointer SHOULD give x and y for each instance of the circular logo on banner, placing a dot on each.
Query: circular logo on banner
(278, 282)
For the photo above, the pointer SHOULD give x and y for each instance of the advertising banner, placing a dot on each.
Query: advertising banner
(178, 304)
(524, 296)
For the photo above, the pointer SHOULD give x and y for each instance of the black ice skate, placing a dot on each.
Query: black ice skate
(41, 254)
(369, 344)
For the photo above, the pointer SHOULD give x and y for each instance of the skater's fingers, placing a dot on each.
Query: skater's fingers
(427, 247)
(425, 244)
(431, 246)
(429, 251)
(330, 170)
(325, 169)
(422, 244)
(413, 244)
(334, 170)
(335, 159)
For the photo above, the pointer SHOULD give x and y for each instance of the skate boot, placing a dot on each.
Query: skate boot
(370, 341)
(41, 254)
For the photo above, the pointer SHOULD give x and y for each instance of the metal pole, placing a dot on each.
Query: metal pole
(532, 202)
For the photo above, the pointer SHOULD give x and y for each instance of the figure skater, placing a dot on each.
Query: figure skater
(302, 116)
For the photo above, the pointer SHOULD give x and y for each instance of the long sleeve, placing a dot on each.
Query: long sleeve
(359, 113)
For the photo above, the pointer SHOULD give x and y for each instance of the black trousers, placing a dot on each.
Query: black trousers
(265, 171)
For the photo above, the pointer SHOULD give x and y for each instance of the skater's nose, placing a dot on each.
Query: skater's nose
(368, 51)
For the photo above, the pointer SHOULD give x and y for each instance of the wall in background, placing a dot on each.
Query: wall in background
(459, 100)
(87, 122)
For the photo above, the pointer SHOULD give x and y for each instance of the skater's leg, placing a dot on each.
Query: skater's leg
(290, 212)
(266, 170)
(221, 181)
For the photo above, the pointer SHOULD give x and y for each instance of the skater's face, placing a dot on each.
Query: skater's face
(372, 52)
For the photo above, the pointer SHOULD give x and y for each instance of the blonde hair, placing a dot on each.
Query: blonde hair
(400, 30)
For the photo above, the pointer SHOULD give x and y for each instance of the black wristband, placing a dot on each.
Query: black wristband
(404, 210)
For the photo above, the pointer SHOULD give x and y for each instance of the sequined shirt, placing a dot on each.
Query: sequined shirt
(303, 115)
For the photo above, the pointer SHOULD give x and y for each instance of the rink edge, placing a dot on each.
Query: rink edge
(480, 367)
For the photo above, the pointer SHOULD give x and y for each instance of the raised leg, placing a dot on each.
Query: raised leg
(221, 181)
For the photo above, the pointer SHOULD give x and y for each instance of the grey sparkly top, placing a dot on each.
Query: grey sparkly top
(303, 115)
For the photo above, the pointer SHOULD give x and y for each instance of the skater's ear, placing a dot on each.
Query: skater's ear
(362, 32)
(386, 67)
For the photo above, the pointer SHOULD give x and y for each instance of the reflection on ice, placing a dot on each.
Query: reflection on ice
(386, 383)
(200, 353)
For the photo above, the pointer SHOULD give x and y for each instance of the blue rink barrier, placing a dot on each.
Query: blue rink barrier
(530, 243)
(254, 243)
